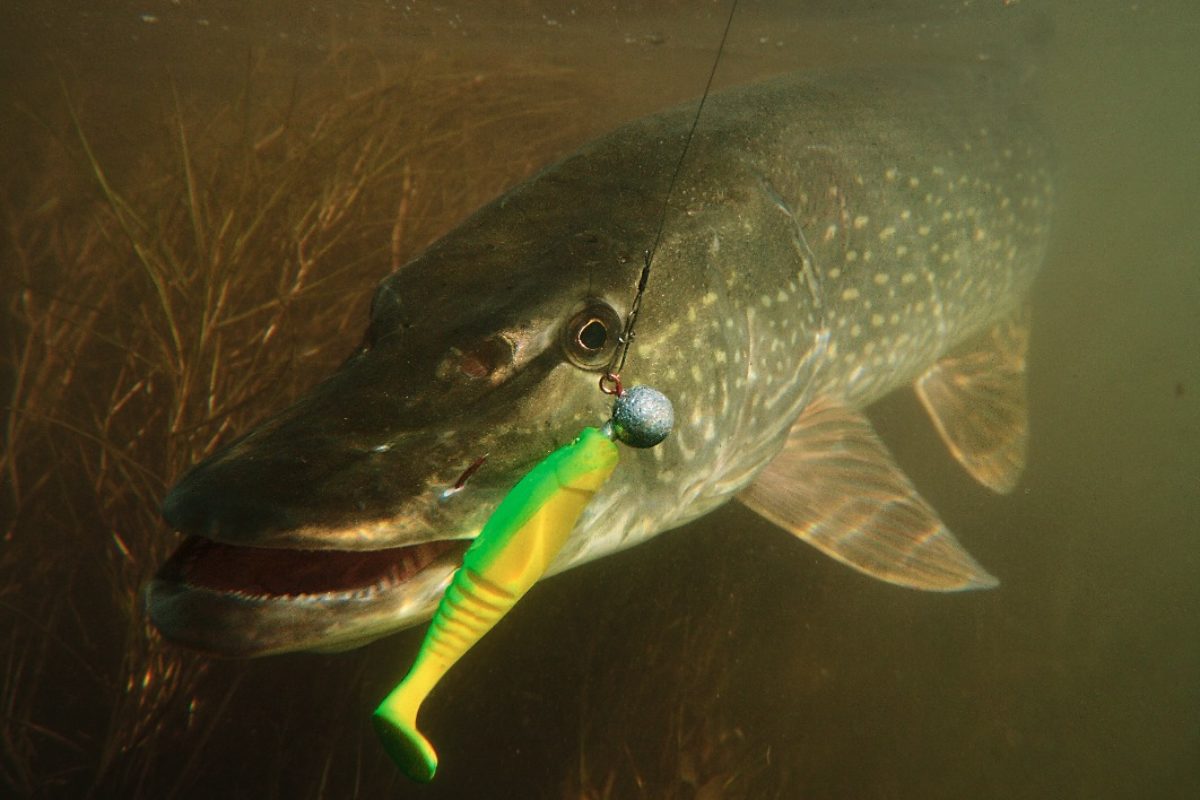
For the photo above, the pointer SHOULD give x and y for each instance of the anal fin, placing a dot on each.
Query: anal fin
(976, 397)
(836, 486)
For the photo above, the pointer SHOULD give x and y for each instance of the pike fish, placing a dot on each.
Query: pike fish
(831, 237)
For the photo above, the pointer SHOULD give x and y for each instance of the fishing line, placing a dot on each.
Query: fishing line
(610, 382)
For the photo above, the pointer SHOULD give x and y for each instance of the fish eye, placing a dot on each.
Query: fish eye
(591, 336)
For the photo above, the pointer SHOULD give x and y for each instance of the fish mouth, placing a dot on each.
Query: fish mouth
(266, 572)
(244, 600)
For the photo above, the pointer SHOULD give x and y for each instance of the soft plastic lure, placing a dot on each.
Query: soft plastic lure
(513, 550)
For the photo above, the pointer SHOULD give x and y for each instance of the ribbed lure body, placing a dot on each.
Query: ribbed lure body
(512, 551)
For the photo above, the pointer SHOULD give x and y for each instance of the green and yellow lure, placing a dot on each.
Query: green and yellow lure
(512, 551)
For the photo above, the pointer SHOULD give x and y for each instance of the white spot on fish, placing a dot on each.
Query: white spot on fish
(887, 233)
(861, 221)
(881, 278)
(850, 294)
(709, 298)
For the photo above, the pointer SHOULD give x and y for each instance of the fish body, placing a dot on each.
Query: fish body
(829, 238)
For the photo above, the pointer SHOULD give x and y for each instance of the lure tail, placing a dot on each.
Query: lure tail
(512, 551)
(395, 721)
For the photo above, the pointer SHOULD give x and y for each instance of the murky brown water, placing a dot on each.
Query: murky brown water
(725, 659)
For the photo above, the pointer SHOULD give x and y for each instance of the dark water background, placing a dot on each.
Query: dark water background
(724, 659)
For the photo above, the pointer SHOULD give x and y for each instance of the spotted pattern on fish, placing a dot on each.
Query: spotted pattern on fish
(863, 226)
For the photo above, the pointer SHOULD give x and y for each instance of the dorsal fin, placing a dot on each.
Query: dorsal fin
(835, 486)
(976, 397)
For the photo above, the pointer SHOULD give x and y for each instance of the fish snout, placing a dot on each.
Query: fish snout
(302, 486)
(224, 504)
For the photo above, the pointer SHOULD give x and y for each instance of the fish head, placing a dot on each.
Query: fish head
(343, 518)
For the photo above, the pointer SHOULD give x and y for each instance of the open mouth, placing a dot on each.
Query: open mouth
(271, 572)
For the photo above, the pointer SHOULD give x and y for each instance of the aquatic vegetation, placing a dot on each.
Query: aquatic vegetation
(673, 725)
(166, 283)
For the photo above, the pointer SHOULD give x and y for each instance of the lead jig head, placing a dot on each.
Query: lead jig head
(642, 416)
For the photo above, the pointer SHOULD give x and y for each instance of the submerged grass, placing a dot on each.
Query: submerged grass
(668, 724)
(162, 290)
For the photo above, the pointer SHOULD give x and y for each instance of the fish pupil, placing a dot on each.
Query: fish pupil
(593, 335)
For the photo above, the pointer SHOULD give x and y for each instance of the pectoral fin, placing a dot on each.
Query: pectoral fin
(835, 486)
(976, 397)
